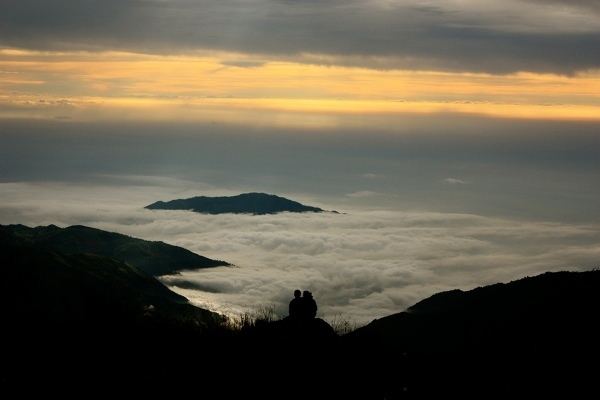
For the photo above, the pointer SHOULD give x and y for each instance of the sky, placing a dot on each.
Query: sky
(467, 117)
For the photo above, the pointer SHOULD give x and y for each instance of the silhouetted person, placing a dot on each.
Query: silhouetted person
(296, 305)
(309, 305)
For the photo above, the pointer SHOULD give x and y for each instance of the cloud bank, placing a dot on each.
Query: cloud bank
(472, 35)
(455, 181)
(363, 264)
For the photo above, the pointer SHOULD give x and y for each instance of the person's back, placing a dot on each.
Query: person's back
(309, 305)
(295, 309)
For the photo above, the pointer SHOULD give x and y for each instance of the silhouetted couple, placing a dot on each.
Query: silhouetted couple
(303, 308)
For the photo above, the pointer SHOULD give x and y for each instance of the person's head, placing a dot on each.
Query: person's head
(297, 293)
(306, 293)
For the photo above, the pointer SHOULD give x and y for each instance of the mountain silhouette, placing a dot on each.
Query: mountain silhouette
(531, 336)
(246, 203)
(49, 288)
(90, 321)
(75, 321)
(546, 307)
(154, 258)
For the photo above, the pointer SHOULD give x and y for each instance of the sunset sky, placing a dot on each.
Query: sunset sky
(315, 61)
(483, 112)
(502, 96)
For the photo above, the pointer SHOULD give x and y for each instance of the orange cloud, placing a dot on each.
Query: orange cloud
(231, 87)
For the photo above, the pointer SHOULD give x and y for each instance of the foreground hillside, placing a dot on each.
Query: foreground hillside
(535, 335)
(88, 321)
(51, 292)
(73, 322)
(154, 258)
(529, 312)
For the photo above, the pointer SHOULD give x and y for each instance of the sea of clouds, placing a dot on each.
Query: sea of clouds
(360, 264)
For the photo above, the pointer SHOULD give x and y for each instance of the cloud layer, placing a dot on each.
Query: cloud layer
(363, 264)
(472, 35)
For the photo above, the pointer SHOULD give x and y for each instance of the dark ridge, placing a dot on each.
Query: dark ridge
(533, 335)
(83, 321)
(246, 203)
(463, 319)
(154, 258)
(44, 291)
(80, 322)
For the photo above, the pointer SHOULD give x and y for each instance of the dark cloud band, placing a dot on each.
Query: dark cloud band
(366, 33)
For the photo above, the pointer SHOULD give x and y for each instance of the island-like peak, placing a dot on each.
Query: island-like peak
(245, 203)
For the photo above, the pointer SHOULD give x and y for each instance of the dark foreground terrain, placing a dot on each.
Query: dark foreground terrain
(84, 324)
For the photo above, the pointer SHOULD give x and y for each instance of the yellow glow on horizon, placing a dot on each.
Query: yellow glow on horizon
(208, 86)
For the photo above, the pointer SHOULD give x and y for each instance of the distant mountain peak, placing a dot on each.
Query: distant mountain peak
(246, 203)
